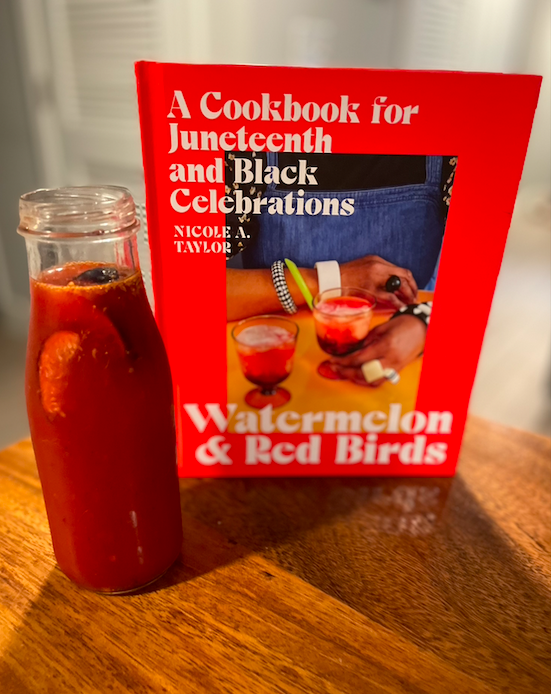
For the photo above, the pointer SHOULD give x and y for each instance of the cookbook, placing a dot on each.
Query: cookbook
(325, 245)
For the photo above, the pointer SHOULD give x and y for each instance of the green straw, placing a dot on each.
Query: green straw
(306, 293)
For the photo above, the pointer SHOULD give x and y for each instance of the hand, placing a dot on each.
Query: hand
(372, 273)
(395, 343)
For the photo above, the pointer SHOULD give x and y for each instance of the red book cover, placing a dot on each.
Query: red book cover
(325, 245)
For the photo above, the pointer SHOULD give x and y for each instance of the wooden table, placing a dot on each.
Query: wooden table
(322, 586)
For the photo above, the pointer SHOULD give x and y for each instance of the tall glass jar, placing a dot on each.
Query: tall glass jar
(99, 392)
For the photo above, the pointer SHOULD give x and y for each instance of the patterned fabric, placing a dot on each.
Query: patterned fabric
(282, 290)
(249, 222)
(449, 173)
(422, 311)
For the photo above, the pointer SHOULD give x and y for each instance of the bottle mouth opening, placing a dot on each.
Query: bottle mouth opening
(77, 211)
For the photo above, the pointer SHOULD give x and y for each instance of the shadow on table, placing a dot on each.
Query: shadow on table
(223, 522)
(226, 519)
(260, 513)
(419, 556)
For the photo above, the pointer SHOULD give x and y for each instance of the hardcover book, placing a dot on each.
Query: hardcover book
(325, 244)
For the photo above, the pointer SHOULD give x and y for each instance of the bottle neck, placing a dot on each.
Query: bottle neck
(44, 255)
(94, 225)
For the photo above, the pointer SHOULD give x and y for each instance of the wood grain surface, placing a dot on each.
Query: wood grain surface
(305, 585)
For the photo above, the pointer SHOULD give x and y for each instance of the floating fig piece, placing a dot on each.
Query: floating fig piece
(97, 275)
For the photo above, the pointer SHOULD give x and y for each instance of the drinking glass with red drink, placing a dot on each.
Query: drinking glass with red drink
(342, 317)
(266, 346)
(99, 391)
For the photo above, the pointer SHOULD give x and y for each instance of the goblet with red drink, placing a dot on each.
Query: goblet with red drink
(266, 346)
(342, 317)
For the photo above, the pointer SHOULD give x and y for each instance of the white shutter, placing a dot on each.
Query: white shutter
(94, 45)
(430, 33)
(479, 35)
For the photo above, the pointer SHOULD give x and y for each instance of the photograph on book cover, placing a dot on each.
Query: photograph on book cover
(322, 299)
(349, 349)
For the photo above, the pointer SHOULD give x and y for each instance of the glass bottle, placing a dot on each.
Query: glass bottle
(99, 391)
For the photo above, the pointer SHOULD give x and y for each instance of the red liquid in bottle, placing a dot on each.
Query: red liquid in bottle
(99, 399)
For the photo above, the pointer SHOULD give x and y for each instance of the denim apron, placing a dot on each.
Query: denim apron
(402, 224)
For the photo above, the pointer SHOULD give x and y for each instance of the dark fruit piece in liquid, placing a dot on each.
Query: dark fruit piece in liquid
(97, 275)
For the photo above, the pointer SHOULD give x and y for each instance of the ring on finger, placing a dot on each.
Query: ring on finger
(393, 283)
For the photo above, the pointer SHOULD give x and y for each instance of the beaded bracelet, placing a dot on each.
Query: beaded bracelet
(422, 311)
(282, 290)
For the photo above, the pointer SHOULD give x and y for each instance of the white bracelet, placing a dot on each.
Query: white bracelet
(329, 275)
